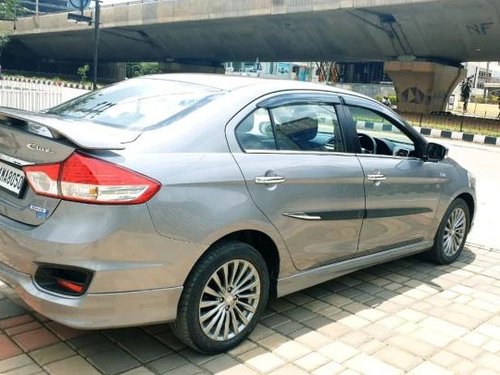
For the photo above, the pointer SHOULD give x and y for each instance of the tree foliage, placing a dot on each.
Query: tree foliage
(136, 69)
(10, 9)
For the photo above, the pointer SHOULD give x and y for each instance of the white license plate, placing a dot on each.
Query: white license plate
(11, 178)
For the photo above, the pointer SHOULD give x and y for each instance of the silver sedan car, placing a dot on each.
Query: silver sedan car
(193, 199)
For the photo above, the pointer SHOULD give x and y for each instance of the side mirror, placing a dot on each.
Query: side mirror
(436, 151)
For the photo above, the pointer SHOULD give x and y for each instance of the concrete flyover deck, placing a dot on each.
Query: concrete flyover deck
(408, 316)
(448, 31)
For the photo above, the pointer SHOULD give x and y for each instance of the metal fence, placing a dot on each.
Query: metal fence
(465, 124)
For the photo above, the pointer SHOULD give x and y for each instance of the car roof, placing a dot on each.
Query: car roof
(233, 83)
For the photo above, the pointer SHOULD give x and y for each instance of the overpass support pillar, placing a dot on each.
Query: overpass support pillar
(111, 72)
(423, 87)
(190, 67)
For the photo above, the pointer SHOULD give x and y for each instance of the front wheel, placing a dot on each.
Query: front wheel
(223, 298)
(452, 233)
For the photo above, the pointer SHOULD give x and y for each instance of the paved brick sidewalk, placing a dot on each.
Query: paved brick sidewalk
(404, 316)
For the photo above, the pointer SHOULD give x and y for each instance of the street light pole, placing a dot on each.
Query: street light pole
(486, 79)
(97, 20)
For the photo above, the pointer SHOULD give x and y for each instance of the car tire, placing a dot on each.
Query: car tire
(232, 282)
(452, 233)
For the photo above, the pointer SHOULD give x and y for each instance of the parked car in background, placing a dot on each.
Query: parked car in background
(194, 198)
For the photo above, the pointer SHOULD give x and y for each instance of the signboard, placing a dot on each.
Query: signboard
(78, 4)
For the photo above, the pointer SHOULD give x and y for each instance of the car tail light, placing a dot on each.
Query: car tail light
(86, 179)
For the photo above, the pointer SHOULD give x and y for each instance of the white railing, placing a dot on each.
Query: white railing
(33, 96)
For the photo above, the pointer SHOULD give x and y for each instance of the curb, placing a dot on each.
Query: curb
(437, 133)
(467, 137)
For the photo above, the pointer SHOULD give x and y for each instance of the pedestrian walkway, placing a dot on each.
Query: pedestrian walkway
(404, 316)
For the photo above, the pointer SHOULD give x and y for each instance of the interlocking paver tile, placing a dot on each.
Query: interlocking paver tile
(291, 350)
(8, 348)
(35, 339)
(427, 368)
(311, 361)
(65, 333)
(489, 361)
(113, 361)
(439, 319)
(331, 368)
(30, 326)
(220, 364)
(69, 366)
(143, 347)
(52, 353)
(261, 360)
(168, 363)
(289, 370)
(16, 362)
(144, 371)
(338, 351)
(9, 309)
(366, 364)
(313, 339)
(15, 321)
(445, 358)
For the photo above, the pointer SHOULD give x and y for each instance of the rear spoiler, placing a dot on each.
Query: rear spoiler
(84, 134)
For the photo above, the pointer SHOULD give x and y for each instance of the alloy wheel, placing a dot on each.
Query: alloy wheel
(454, 231)
(229, 300)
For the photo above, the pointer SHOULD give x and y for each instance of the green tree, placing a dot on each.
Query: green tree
(10, 9)
(82, 72)
(136, 69)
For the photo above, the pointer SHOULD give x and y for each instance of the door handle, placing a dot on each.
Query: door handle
(376, 177)
(269, 180)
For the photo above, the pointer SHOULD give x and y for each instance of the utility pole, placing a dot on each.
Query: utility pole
(97, 20)
(486, 79)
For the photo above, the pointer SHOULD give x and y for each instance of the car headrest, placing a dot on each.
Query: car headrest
(302, 129)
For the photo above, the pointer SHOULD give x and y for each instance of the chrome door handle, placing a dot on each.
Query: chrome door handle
(376, 177)
(269, 180)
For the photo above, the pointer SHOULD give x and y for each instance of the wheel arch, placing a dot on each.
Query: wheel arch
(259, 240)
(469, 199)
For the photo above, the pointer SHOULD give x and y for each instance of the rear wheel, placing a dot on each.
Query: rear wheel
(452, 233)
(223, 298)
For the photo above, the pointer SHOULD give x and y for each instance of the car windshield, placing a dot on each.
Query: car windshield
(137, 104)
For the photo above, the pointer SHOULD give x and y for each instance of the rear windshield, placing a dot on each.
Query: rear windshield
(137, 104)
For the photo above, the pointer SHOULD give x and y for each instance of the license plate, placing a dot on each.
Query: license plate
(11, 179)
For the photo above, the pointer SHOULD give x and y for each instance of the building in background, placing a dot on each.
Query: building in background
(482, 73)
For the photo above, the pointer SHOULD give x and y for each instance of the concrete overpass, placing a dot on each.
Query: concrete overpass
(189, 33)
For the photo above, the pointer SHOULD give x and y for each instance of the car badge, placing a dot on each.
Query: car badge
(35, 147)
(40, 212)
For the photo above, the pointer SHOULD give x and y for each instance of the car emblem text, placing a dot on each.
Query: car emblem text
(34, 146)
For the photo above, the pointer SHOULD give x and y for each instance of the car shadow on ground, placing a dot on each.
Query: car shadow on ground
(364, 308)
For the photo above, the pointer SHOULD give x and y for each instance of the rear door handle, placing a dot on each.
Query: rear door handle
(269, 180)
(376, 177)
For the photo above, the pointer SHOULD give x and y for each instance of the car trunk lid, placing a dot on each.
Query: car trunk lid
(35, 138)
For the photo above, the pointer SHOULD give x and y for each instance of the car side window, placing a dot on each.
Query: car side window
(378, 135)
(255, 132)
(307, 127)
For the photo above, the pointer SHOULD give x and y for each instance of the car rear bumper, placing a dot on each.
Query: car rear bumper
(99, 310)
(137, 274)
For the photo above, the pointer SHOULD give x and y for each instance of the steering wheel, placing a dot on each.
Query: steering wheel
(331, 145)
(367, 143)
